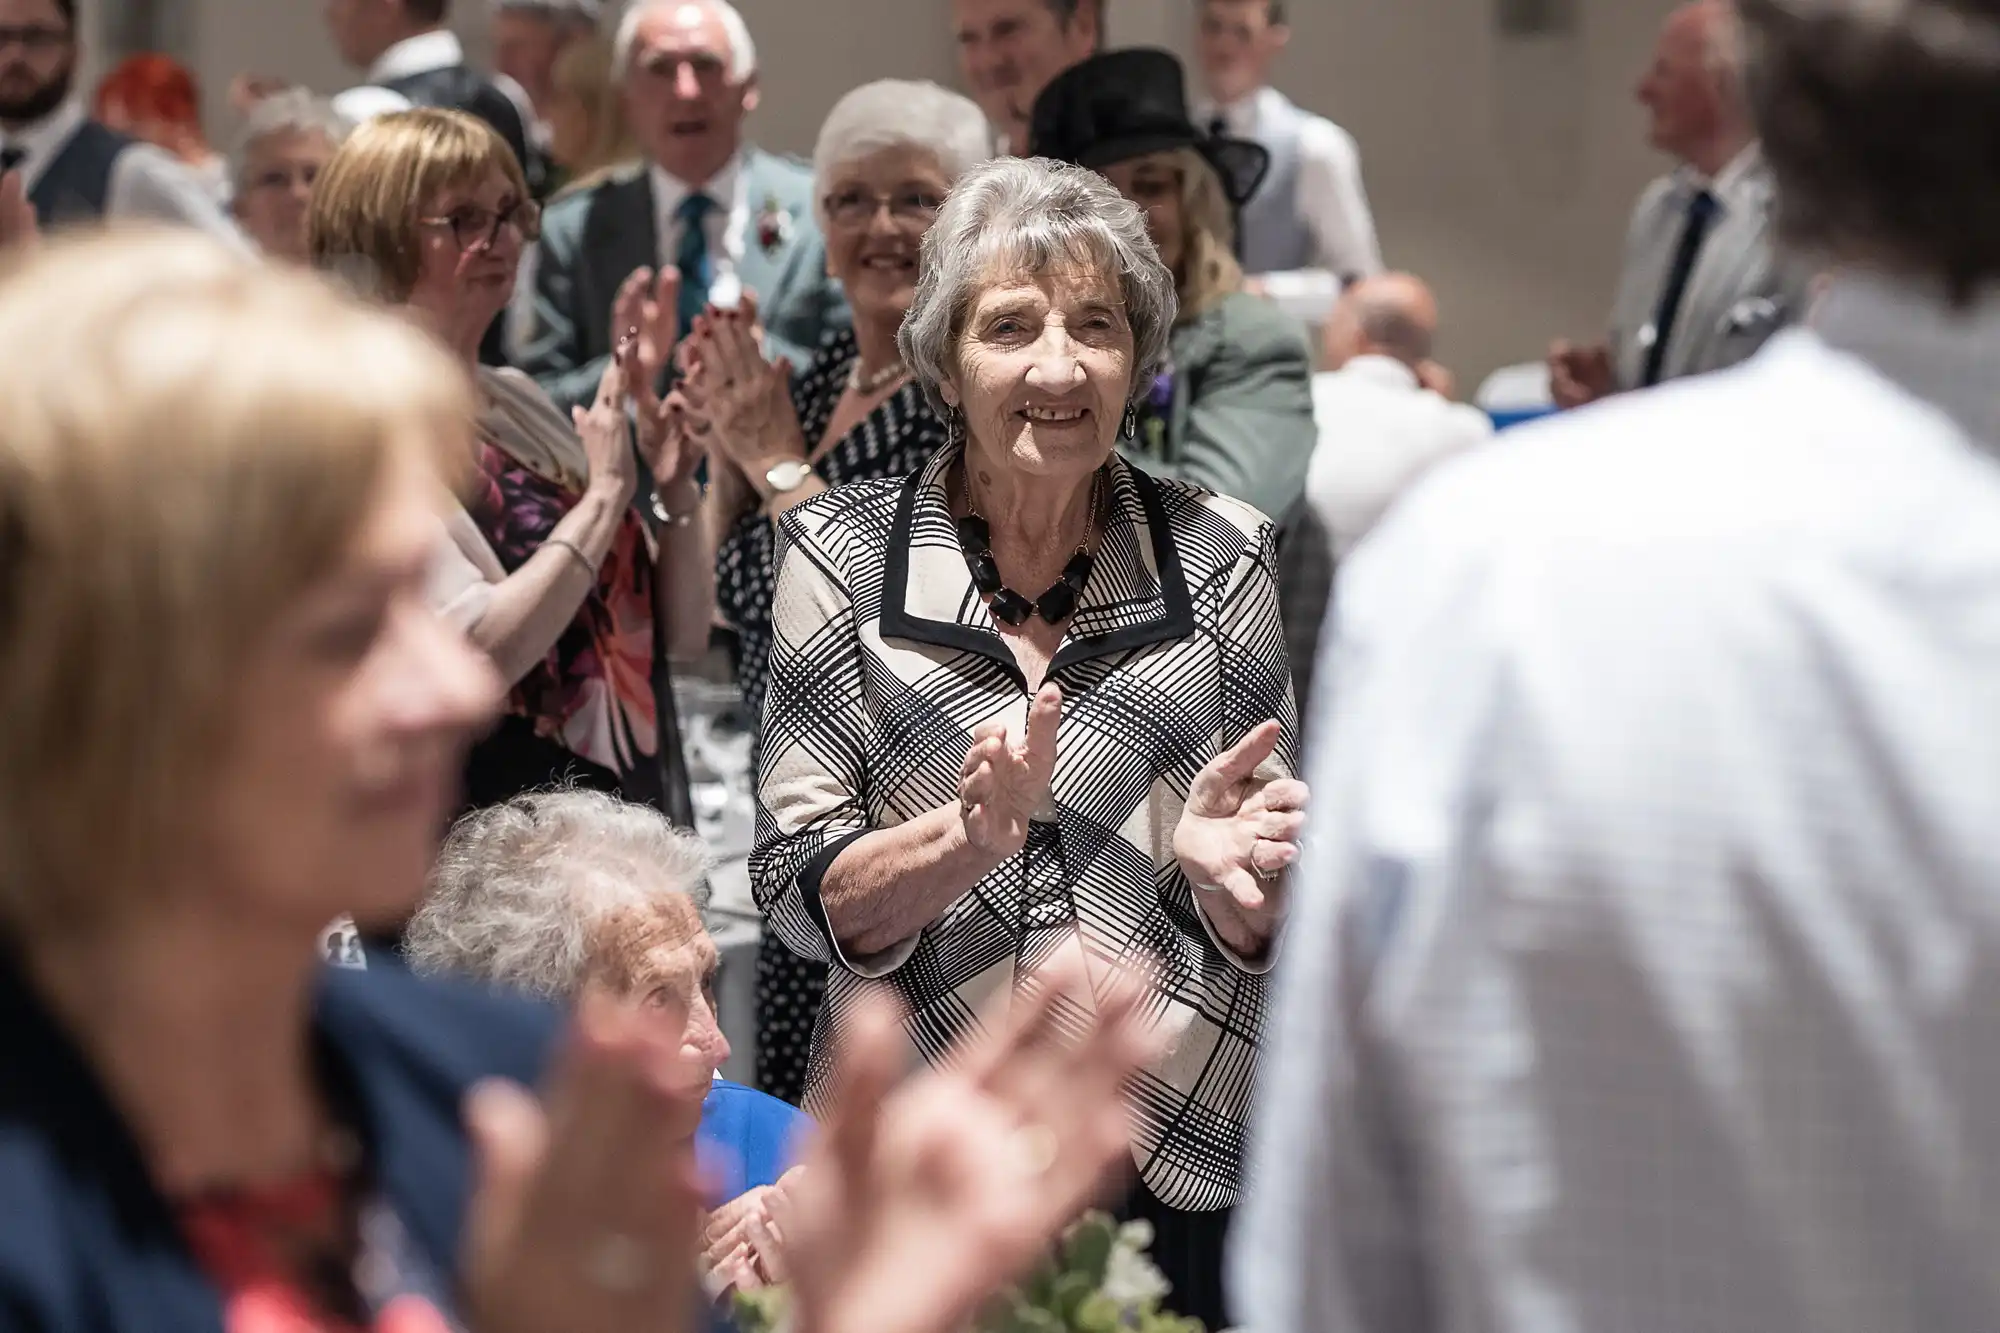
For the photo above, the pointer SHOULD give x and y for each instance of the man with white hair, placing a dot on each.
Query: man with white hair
(1643, 971)
(1702, 286)
(729, 217)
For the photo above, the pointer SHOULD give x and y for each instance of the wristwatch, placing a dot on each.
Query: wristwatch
(788, 476)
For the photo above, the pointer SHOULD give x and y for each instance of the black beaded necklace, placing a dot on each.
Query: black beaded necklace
(975, 538)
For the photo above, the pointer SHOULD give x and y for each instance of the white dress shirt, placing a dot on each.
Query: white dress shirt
(1643, 974)
(1331, 201)
(727, 225)
(437, 49)
(1379, 431)
(146, 182)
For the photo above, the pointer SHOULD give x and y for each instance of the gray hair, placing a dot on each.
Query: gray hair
(898, 113)
(742, 49)
(579, 13)
(519, 889)
(1030, 215)
(293, 111)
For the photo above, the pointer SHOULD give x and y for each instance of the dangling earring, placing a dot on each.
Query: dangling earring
(954, 426)
(1128, 429)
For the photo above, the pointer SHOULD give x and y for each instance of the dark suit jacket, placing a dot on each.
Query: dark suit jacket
(88, 1245)
(594, 239)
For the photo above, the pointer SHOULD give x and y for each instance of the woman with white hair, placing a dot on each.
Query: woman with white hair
(887, 155)
(1032, 702)
(560, 894)
(287, 140)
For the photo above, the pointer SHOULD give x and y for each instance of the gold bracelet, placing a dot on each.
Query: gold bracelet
(576, 551)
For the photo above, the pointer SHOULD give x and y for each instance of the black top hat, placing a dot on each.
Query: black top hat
(1125, 104)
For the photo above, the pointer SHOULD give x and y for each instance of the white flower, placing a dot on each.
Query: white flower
(1130, 1279)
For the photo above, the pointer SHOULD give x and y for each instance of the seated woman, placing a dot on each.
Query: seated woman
(1032, 702)
(575, 591)
(887, 155)
(1231, 408)
(154, 99)
(563, 893)
(286, 142)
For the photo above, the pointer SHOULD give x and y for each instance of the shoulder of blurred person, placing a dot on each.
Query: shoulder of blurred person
(84, 1233)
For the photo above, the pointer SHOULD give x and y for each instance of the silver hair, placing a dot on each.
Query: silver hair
(742, 48)
(519, 889)
(1029, 215)
(576, 12)
(293, 111)
(899, 113)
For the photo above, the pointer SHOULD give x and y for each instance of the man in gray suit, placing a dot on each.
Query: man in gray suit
(1703, 285)
(729, 217)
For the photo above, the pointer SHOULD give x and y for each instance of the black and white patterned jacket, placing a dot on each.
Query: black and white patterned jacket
(884, 661)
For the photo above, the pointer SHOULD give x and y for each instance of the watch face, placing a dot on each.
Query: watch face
(788, 476)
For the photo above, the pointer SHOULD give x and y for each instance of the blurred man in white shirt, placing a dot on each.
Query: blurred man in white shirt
(1011, 49)
(1643, 971)
(1381, 423)
(1307, 231)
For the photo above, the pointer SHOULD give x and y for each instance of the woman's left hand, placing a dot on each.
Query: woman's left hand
(646, 310)
(738, 403)
(1239, 833)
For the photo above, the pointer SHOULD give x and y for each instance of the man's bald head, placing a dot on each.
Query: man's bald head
(1393, 315)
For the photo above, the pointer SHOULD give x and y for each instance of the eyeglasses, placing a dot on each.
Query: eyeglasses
(473, 225)
(37, 39)
(857, 207)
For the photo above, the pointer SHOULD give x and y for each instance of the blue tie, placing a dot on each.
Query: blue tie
(697, 273)
(1701, 211)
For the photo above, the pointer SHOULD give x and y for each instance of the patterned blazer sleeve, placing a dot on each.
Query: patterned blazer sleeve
(814, 750)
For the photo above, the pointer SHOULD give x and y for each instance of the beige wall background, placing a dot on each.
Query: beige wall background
(1502, 169)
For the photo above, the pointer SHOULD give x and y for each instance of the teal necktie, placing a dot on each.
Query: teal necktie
(697, 273)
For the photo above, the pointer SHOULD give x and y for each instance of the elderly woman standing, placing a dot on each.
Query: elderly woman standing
(575, 591)
(287, 140)
(887, 155)
(1032, 701)
(1231, 408)
(563, 893)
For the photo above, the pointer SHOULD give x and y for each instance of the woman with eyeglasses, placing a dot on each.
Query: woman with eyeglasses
(887, 155)
(556, 566)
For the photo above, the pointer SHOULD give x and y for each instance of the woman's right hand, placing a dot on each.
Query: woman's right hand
(607, 436)
(1003, 785)
(587, 1208)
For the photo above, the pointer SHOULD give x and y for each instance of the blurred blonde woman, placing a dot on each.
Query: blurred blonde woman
(588, 137)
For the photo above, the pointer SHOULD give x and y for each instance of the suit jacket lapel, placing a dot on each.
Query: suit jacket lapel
(621, 235)
(1723, 276)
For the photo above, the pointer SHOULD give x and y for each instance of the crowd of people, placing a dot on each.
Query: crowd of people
(1433, 876)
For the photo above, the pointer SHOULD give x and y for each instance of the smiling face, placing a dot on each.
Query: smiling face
(1045, 370)
(877, 211)
(1012, 49)
(684, 107)
(463, 278)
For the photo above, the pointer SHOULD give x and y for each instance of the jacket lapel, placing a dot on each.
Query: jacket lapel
(621, 235)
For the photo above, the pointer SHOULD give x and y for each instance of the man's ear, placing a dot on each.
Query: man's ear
(753, 92)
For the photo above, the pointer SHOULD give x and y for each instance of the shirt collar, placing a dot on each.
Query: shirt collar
(669, 190)
(1136, 595)
(1909, 334)
(1241, 116)
(1386, 371)
(45, 138)
(437, 49)
(1729, 184)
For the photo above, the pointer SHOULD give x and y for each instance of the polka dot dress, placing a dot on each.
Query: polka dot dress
(896, 439)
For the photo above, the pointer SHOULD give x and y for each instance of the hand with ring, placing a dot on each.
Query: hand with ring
(1239, 832)
(739, 403)
(1005, 783)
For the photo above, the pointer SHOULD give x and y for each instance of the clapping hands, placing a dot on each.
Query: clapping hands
(1006, 781)
(736, 402)
(1239, 833)
(645, 322)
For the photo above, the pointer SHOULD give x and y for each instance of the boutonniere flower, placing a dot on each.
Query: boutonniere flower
(774, 225)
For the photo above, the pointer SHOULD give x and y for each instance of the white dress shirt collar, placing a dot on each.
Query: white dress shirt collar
(670, 190)
(1241, 117)
(44, 139)
(1726, 185)
(1386, 371)
(727, 224)
(1915, 338)
(437, 49)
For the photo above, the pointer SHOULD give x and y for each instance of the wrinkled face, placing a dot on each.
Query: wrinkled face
(470, 241)
(683, 106)
(1012, 49)
(877, 211)
(1155, 183)
(661, 956)
(350, 726)
(1044, 371)
(37, 59)
(1237, 45)
(279, 171)
(1680, 90)
(525, 47)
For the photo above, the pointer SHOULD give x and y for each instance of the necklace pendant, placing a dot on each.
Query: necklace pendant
(1010, 608)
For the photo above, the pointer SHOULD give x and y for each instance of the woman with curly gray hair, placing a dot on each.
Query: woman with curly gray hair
(1031, 702)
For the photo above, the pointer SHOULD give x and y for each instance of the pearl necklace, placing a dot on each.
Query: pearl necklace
(869, 385)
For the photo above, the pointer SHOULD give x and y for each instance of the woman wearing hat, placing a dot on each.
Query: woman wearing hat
(1232, 409)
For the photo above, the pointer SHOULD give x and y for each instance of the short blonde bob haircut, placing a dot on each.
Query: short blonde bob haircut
(1209, 269)
(191, 441)
(362, 227)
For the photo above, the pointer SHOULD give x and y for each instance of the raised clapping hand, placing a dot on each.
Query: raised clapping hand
(738, 403)
(607, 443)
(918, 1203)
(742, 1241)
(1238, 832)
(1005, 782)
(645, 323)
(585, 1215)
